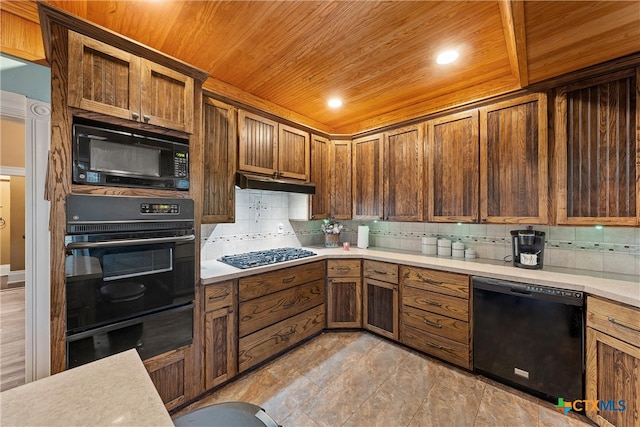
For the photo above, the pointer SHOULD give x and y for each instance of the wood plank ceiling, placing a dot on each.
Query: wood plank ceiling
(378, 56)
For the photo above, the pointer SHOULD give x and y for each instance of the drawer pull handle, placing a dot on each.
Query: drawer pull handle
(433, 282)
(435, 325)
(288, 279)
(433, 345)
(437, 304)
(212, 297)
(343, 268)
(379, 271)
(612, 320)
(288, 304)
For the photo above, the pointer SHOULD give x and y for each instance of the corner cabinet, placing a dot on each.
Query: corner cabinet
(220, 334)
(366, 175)
(381, 298)
(320, 176)
(107, 80)
(513, 161)
(344, 294)
(597, 150)
(613, 362)
(219, 162)
(340, 180)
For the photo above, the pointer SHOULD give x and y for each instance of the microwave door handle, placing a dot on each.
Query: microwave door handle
(130, 242)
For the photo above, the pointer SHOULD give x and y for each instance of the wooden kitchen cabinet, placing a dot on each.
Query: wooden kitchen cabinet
(367, 178)
(220, 334)
(219, 162)
(344, 293)
(435, 314)
(513, 161)
(279, 309)
(269, 148)
(404, 178)
(111, 81)
(597, 150)
(340, 180)
(320, 175)
(168, 373)
(613, 361)
(453, 168)
(381, 298)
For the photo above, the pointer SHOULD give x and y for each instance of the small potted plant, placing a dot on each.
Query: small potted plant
(331, 231)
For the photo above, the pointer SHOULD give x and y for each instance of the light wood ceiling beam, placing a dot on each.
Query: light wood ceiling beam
(512, 14)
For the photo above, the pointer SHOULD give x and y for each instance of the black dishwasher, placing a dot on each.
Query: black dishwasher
(530, 337)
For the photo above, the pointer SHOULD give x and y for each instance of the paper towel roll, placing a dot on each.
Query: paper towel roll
(363, 236)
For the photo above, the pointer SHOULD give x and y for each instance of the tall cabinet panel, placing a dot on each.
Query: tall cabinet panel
(340, 180)
(258, 143)
(404, 179)
(513, 161)
(367, 177)
(453, 168)
(598, 151)
(320, 176)
(219, 162)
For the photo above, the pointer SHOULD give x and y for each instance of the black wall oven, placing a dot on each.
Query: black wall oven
(130, 276)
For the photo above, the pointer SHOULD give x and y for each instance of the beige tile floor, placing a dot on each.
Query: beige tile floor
(359, 379)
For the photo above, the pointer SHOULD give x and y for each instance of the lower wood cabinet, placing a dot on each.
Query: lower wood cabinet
(220, 334)
(435, 314)
(613, 362)
(381, 298)
(344, 294)
(168, 373)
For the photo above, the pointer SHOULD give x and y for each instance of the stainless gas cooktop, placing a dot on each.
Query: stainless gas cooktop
(270, 256)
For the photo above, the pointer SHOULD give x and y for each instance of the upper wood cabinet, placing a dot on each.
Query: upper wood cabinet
(269, 148)
(340, 180)
(219, 161)
(320, 176)
(513, 161)
(453, 168)
(404, 178)
(107, 80)
(597, 150)
(367, 184)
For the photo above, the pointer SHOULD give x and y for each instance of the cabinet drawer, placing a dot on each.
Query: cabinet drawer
(269, 309)
(381, 271)
(274, 281)
(437, 346)
(615, 319)
(343, 268)
(218, 295)
(267, 342)
(446, 327)
(446, 305)
(456, 285)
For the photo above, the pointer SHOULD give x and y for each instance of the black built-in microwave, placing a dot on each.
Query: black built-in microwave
(105, 154)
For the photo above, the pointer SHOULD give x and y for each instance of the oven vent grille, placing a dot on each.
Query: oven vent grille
(128, 226)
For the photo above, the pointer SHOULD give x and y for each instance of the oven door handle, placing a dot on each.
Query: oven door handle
(130, 242)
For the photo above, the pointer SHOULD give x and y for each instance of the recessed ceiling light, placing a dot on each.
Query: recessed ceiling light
(447, 57)
(335, 103)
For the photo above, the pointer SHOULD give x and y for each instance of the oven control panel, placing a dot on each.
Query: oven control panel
(159, 208)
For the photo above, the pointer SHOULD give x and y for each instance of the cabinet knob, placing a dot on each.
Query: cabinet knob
(484, 220)
(146, 118)
(135, 116)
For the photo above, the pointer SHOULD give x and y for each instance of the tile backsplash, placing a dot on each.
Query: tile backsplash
(260, 213)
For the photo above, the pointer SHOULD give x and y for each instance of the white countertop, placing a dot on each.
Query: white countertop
(617, 287)
(112, 391)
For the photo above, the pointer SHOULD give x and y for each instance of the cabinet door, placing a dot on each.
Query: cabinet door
(340, 190)
(293, 153)
(103, 79)
(598, 151)
(167, 371)
(513, 161)
(612, 376)
(381, 308)
(219, 162)
(453, 169)
(221, 361)
(344, 299)
(366, 172)
(167, 97)
(319, 173)
(257, 143)
(404, 180)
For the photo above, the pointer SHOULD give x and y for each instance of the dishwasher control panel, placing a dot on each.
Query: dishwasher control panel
(553, 291)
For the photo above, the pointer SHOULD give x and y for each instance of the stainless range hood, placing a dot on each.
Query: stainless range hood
(260, 182)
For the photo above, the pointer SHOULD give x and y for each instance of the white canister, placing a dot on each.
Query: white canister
(429, 245)
(457, 250)
(470, 253)
(444, 247)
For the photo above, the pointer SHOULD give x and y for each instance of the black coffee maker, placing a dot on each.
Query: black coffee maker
(527, 248)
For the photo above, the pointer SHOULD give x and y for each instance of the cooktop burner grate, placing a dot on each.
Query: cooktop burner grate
(270, 256)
